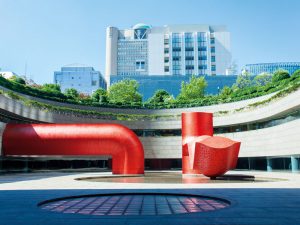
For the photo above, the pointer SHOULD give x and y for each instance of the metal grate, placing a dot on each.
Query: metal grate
(135, 204)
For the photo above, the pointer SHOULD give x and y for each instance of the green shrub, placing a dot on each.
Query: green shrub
(296, 75)
(280, 75)
(18, 80)
(100, 95)
(72, 93)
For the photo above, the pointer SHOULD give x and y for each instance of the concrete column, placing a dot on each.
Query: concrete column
(295, 164)
(269, 165)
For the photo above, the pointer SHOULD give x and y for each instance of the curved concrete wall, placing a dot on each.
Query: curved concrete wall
(273, 141)
(280, 140)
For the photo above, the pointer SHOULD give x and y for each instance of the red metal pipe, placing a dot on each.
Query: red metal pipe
(194, 124)
(77, 140)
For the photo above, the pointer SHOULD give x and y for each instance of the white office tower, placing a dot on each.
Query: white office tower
(167, 50)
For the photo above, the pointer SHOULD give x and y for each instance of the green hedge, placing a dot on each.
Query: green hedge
(236, 95)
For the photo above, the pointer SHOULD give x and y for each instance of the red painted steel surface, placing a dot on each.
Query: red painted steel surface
(77, 139)
(201, 152)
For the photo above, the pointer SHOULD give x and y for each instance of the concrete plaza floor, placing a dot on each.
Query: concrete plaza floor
(276, 202)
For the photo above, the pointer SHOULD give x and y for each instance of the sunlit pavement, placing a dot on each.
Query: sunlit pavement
(275, 202)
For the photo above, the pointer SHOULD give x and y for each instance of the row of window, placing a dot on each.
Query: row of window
(221, 130)
(187, 49)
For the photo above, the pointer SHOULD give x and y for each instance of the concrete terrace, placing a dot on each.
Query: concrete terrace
(276, 202)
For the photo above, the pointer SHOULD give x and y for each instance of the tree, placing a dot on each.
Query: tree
(296, 74)
(280, 75)
(192, 90)
(51, 88)
(124, 92)
(243, 80)
(160, 96)
(17, 79)
(262, 79)
(225, 92)
(100, 95)
(71, 93)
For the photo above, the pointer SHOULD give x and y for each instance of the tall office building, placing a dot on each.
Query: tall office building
(167, 50)
(80, 77)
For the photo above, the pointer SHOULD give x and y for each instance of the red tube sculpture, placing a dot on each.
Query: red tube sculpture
(77, 139)
(201, 152)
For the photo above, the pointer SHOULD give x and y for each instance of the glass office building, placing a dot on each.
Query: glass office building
(255, 69)
(172, 84)
(80, 77)
(168, 50)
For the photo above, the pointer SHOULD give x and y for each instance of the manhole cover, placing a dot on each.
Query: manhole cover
(135, 204)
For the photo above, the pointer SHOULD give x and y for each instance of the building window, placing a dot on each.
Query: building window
(202, 48)
(176, 49)
(213, 49)
(94, 82)
(166, 50)
(212, 41)
(189, 58)
(166, 69)
(189, 49)
(166, 60)
(202, 67)
(213, 68)
(140, 65)
(213, 58)
(191, 67)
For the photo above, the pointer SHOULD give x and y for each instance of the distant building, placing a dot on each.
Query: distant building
(172, 84)
(168, 50)
(80, 77)
(255, 69)
(8, 74)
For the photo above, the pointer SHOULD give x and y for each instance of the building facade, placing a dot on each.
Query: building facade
(255, 69)
(167, 50)
(172, 84)
(80, 77)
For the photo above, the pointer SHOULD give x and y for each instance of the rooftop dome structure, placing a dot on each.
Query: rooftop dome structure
(141, 26)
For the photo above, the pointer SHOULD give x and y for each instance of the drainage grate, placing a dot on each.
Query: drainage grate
(135, 204)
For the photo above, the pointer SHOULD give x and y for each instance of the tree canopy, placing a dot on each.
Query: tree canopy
(280, 75)
(243, 80)
(160, 96)
(262, 79)
(71, 93)
(192, 90)
(100, 95)
(17, 79)
(51, 88)
(124, 92)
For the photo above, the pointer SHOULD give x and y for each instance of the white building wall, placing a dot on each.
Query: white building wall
(111, 53)
(223, 53)
(156, 54)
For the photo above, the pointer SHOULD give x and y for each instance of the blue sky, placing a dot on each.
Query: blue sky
(47, 34)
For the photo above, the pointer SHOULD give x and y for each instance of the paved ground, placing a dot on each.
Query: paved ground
(252, 203)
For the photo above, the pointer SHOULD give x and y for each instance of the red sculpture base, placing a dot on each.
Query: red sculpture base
(77, 139)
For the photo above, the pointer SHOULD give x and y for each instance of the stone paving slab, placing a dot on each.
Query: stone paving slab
(271, 204)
